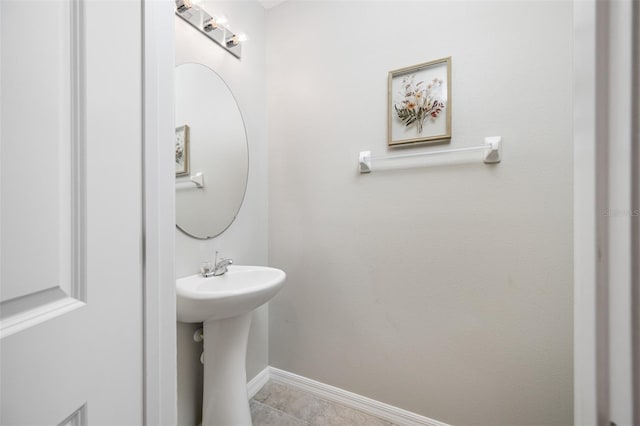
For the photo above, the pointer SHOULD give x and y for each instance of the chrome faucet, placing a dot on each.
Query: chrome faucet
(219, 268)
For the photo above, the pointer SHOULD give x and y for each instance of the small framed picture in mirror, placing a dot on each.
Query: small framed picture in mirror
(182, 150)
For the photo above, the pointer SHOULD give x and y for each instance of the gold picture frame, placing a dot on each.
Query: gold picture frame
(419, 103)
(182, 150)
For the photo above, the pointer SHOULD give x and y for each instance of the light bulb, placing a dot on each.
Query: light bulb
(210, 25)
(233, 41)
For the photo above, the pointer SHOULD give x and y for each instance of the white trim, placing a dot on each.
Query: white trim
(158, 221)
(349, 399)
(584, 216)
(258, 382)
(619, 217)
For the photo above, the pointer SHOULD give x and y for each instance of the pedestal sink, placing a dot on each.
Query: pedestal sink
(224, 305)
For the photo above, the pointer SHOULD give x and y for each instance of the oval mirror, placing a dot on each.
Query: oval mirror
(212, 158)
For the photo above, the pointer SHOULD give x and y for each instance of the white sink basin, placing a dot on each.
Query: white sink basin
(224, 305)
(240, 290)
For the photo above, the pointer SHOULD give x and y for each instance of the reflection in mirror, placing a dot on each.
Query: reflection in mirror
(212, 158)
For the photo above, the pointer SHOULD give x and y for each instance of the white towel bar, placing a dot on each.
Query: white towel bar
(492, 154)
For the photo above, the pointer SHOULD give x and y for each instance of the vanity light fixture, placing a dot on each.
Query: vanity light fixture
(210, 25)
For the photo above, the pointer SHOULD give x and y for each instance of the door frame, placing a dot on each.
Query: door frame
(586, 171)
(591, 135)
(158, 221)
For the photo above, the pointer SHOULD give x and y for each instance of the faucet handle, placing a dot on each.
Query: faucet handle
(206, 268)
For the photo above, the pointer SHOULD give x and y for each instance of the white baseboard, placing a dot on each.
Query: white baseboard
(258, 382)
(348, 399)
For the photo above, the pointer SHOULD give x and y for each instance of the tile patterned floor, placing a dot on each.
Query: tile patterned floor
(280, 405)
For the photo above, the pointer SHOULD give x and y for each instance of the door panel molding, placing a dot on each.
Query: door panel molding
(27, 310)
(78, 154)
(77, 418)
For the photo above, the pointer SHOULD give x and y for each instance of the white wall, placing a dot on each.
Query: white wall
(246, 240)
(447, 290)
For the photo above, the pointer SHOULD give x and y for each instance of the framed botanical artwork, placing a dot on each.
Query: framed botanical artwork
(182, 150)
(420, 103)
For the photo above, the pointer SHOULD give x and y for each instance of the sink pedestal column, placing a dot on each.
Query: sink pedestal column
(225, 399)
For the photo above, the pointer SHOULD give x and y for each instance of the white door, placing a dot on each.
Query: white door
(71, 276)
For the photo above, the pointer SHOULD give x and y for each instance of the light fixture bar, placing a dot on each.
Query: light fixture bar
(210, 26)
